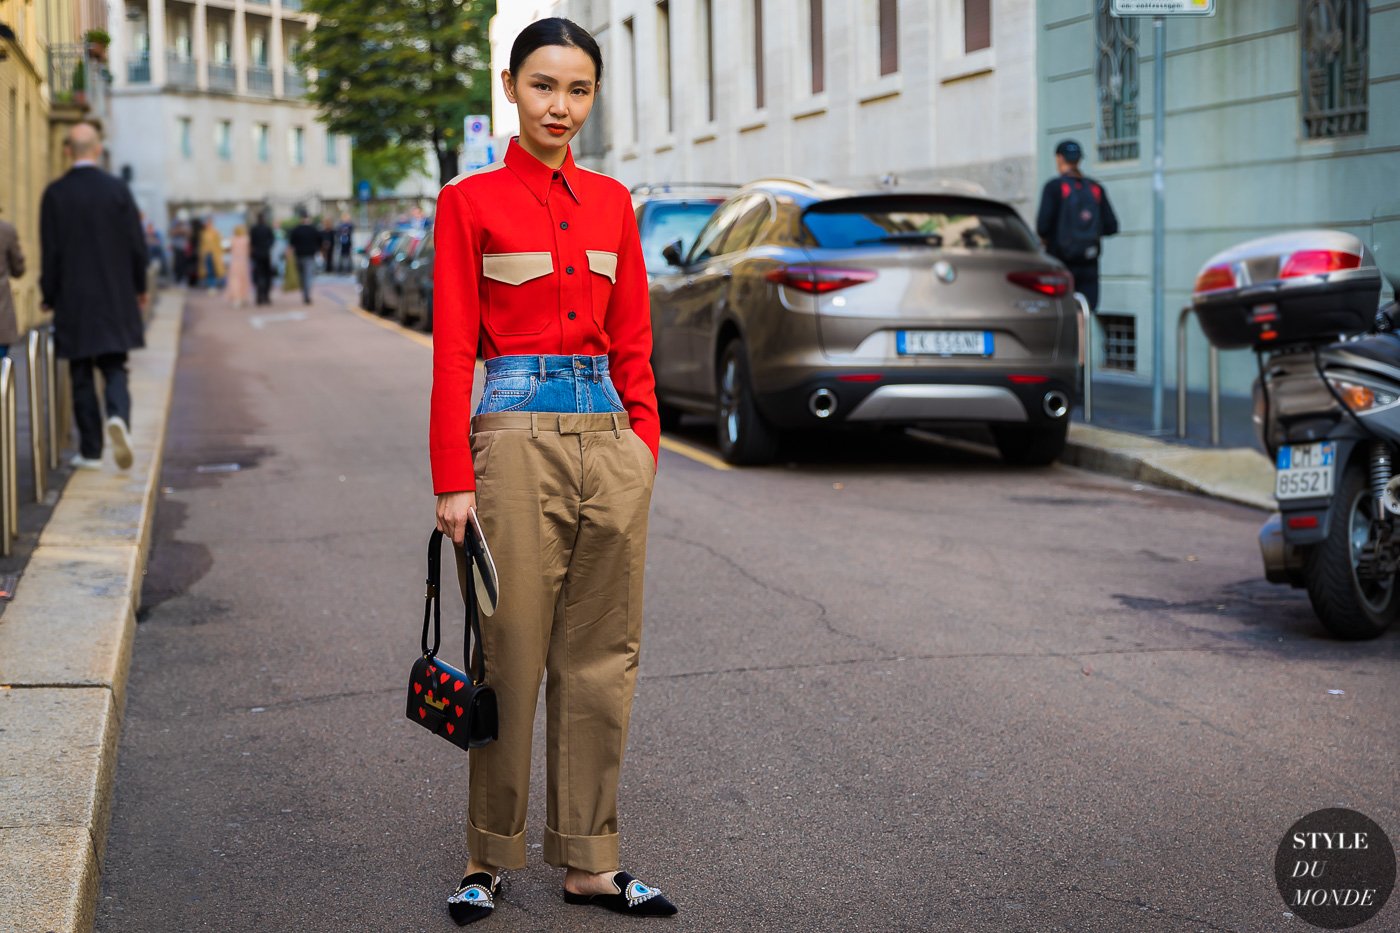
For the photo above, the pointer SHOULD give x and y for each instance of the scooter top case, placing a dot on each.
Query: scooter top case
(1311, 286)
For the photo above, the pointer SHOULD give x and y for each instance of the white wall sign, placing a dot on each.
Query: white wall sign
(1162, 7)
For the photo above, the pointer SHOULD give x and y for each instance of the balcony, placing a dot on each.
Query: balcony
(75, 77)
(293, 6)
(293, 84)
(180, 72)
(223, 76)
(138, 69)
(260, 80)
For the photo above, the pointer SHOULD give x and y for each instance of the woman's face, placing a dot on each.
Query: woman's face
(553, 94)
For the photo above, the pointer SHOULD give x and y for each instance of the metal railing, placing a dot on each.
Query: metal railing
(259, 80)
(49, 411)
(9, 459)
(180, 72)
(1181, 381)
(293, 84)
(223, 77)
(37, 385)
(1086, 353)
(138, 69)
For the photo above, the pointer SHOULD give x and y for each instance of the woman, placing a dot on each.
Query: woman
(211, 255)
(539, 265)
(240, 268)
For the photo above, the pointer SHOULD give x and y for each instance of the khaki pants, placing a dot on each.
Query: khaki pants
(563, 501)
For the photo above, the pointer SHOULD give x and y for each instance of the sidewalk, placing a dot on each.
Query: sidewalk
(1119, 443)
(65, 646)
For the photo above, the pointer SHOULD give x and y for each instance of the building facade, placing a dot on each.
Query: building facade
(854, 92)
(1279, 115)
(50, 78)
(209, 115)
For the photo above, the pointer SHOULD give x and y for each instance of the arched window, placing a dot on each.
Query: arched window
(1333, 36)
(1116, 75)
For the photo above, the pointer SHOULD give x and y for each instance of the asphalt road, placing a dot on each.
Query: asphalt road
(888, 686)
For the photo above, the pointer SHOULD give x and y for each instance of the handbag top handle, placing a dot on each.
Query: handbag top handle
(432, 611)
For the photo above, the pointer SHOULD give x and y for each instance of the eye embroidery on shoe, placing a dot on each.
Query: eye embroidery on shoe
(638, 893)
(473, 894)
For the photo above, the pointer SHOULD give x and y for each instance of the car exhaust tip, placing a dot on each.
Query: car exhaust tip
(822, 403)
(1056, 404)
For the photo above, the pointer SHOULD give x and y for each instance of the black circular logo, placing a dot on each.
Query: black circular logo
(1335, 868)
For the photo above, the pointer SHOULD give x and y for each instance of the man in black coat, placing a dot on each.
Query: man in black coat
(93, 276)
(261, 238)
(305, 241)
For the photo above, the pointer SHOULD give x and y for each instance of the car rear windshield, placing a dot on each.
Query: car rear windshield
(925, 220)
(666, 222)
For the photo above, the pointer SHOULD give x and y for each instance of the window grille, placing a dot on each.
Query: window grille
(1334, 37)
(1116, 74)
(1119, 341)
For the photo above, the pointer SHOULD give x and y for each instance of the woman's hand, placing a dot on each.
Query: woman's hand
(452, 509)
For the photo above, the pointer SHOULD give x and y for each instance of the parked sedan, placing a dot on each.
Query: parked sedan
(393, 268)
(380, 245)
(803, 306)
(416, 292)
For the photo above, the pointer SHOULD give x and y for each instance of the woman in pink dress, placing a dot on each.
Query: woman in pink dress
(240, 268)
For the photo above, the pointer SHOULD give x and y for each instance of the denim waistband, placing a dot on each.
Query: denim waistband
(547, 365)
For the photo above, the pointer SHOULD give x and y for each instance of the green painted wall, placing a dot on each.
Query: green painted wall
(1237, 164)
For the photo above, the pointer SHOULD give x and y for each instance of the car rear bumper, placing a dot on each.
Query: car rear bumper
(905, 397)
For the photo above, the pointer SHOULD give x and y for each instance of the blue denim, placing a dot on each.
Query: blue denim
(548, 383)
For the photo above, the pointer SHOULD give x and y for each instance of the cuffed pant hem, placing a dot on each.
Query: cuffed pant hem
(496, 851)
(586, 853)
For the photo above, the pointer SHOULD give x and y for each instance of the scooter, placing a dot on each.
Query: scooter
(1327, 409)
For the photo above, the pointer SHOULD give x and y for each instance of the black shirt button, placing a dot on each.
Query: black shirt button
(570, 270)
(572, 315)
(563, 225)
(556, 174)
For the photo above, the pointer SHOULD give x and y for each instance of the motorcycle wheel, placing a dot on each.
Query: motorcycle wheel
(1348, 607)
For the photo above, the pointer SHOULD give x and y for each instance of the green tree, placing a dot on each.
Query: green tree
(401, 73)
(384, 168)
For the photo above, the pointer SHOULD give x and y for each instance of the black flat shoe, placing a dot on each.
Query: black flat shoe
(632, 898)
(474, 899)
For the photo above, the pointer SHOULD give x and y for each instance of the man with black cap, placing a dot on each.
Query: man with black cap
(1074, 218)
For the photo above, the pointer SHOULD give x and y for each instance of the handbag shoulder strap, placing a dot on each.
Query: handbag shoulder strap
(432, 610)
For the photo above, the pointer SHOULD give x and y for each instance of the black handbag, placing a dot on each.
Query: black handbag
(458, 706)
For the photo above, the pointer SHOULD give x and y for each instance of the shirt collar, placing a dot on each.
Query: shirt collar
(85, 163)
(537, 176)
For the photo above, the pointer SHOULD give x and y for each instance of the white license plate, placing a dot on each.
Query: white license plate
(1305, 470)
(945, 342)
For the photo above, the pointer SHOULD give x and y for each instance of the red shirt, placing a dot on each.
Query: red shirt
(531, 260)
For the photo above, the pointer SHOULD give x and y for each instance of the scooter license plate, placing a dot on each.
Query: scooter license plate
(1305, 470)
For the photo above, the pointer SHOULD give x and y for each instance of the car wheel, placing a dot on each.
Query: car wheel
(401, 314)
(1031, 445)
(744, 437)
(425, 320)
(366, 298)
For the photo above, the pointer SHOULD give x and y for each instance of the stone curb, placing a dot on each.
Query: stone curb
(1239, 474)
(65, 649)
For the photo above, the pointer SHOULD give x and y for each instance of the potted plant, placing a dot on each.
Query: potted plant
(97, 41)
(80, 84)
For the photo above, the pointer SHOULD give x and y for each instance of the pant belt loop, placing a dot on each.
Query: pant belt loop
(534, 424)
(542, 375)
(597, 376)
(616, 432)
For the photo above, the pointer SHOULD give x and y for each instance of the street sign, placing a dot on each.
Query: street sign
(477, 142)
(1162, 7)
(364, 190)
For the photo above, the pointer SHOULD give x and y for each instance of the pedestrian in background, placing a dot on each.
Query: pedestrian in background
(1074, 218)
(179, 252)
(345, 234)
(11, 267)
(155, 247)
(261, 240)
(305, 244)
(193, 263)
(328, 245)
(240, 268)
(539, 265)
(93, 276)
(211, 256)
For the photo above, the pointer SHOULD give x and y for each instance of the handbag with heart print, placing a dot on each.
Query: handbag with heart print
(456, 705)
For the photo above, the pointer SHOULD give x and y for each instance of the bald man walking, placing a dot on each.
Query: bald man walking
(93, 276)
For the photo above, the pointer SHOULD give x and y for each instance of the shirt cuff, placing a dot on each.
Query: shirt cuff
(453, 471)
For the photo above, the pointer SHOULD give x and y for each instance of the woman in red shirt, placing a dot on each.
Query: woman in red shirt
(539, 270)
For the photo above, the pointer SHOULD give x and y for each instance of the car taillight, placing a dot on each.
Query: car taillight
(819, 280)
(1318, 262)
(1214, 279)
(1052, 283)
(374, 259)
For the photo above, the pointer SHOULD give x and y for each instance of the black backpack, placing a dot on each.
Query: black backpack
(1079, 227)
